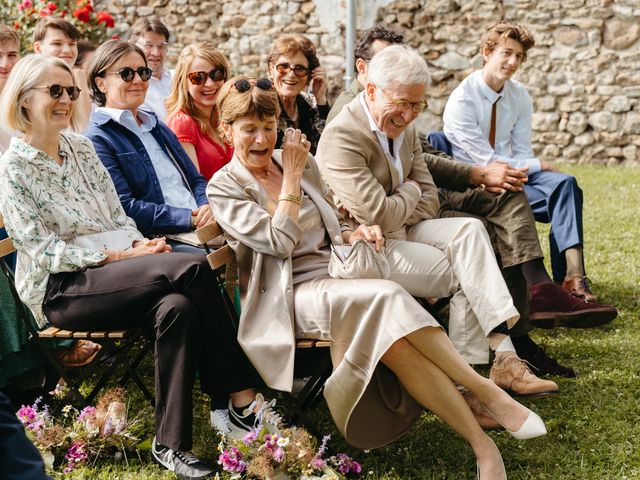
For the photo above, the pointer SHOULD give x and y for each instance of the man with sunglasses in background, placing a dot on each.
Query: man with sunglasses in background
(371, 157)
(152, 36)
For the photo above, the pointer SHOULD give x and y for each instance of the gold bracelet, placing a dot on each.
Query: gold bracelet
(290, 197)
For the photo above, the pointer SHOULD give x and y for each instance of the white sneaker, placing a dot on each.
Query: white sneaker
(183, 464)
(220, 420)
(260, 412)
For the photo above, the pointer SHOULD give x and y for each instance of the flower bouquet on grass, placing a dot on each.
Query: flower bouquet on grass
(85, 436)
(292, 453)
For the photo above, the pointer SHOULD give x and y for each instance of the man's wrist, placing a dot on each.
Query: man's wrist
(478, 175)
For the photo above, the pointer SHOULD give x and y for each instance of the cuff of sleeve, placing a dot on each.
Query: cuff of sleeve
(285, 223)
(417, 188)
(534, 165)
(323, 110)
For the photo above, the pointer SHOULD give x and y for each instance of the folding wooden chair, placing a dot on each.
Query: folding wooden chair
(121, 349)
(222, 261)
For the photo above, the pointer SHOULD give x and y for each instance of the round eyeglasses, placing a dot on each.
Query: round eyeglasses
(128, 74)
(56, 91)
(298, 70)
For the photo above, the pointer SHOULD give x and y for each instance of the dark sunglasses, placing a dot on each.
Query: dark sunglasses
(128, 74)
(56, 91)
(298, 70)
(200, 78)
(246, 85)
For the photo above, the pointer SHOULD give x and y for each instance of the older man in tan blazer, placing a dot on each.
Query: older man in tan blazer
(371, 157)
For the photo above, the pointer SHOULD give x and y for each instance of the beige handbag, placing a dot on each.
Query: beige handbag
(359, 260)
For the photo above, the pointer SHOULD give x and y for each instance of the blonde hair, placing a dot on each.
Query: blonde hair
(233, 104)
(179, 98)
(27, 74)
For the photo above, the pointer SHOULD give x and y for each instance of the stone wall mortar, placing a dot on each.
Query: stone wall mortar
(583, 74)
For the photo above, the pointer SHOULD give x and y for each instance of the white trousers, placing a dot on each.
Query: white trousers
(453, 256)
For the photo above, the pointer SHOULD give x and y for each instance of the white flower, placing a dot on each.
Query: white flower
(283, 442)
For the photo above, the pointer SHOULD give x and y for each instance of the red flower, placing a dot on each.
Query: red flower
(51, 7)
(104, 17)
(16, 25)
(85, 4)
(83, 14)
(45, 12)
(115, 37)
(63, 13)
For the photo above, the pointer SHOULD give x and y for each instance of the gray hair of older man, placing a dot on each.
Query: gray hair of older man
(398, 65)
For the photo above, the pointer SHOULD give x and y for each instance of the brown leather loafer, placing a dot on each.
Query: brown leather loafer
(512, 374)
(579, 286)
(552, 306)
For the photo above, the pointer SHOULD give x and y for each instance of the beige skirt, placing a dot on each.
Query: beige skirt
(362, 319)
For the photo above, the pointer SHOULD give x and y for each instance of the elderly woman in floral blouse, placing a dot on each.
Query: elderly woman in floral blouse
(82, 264)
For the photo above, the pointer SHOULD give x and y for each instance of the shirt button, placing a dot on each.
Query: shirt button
(262, 290)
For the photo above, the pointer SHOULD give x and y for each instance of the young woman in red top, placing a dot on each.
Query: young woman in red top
(200, 72)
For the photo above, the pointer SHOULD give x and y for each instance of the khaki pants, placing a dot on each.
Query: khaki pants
(453, 256)
(509, 221)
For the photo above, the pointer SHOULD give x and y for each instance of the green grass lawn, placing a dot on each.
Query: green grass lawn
(594, 424)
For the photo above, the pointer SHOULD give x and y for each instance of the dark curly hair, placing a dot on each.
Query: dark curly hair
(380, 31)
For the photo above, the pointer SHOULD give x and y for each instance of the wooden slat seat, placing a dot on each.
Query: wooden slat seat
(224, 256)
(123, 350)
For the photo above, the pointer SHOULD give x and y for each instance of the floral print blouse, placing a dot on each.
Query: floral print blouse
(60, 217)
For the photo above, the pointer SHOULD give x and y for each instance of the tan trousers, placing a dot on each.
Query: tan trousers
(453, 256)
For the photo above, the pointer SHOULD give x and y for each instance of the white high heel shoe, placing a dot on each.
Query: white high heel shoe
(532, 427)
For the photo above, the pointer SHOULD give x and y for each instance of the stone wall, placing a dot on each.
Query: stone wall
(583, 74)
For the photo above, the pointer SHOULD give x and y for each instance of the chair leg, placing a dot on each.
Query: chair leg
(312, 389)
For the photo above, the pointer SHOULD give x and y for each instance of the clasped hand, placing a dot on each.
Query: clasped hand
(372, 234)
(500, 176)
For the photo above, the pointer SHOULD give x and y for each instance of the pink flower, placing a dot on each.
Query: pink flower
(278, 454)
(87, 412)
(26, 414)
(25, 5)
(231, 460)
(250, 437)
(76, 455)
(346, 464)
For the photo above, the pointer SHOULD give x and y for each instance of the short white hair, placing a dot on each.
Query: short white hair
(28, 73)
(398, 65)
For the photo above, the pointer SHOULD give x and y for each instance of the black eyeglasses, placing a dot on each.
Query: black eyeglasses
(200, 78)
(56, 91)
(298, 70)
(245, 85)
(128, 74)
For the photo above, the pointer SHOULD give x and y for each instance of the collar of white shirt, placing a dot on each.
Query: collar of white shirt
(126, 119)
(383, 139)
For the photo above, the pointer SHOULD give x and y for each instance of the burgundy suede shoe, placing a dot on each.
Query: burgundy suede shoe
(552, 306)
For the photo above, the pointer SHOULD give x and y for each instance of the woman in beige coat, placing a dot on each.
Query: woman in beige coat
(390, 357)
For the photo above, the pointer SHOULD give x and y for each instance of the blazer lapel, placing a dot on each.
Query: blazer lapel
(363, 120)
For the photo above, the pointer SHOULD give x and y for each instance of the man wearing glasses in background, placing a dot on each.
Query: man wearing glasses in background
(152, 36)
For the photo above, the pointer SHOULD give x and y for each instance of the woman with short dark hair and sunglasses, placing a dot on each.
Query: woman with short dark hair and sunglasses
(293, 65)
(82, 264)
(158, 184)
(200, 72)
